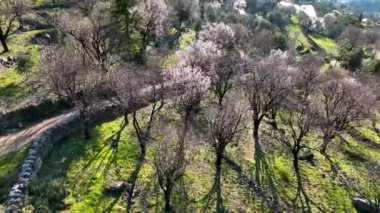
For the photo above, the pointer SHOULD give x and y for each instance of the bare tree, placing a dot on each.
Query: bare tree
(299, 119)
(85, 6)
(188, 88)
(154, 13)
(266, 86)
(170, 165)
(68, 76)
(224, 62)
(224, 126)
(226, 70)
(134, 87)
(342, 101)
(10, 11)
(201, 55)
(220, 33)
(91, 34)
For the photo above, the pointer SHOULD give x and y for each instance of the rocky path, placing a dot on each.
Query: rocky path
(14, 141)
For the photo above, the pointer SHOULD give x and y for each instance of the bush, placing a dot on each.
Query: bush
(370, 65)
(48, 195)
(350, 55)
(24, 62)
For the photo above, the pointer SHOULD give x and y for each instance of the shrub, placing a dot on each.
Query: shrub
(24, 62)
(370, 65)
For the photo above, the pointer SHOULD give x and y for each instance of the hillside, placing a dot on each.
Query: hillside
(183, 106)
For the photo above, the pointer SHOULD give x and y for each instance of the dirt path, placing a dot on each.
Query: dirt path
(14, 141)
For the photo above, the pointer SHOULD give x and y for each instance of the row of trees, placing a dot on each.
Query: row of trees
(289, 93)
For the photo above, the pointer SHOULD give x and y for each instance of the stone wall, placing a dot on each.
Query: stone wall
(33, 113)
(43, 143)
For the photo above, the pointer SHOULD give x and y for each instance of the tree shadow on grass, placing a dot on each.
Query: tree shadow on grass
(302, 196)
(362, 139)
(56, 167)
(214, 195)
(132, 181)
(265, 174)
(258, 190)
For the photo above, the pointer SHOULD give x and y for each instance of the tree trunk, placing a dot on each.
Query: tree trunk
(3, 41)
(202, 10)
(87, 135)
(142, 149)
(122, 127)
(298, 176)
(167, 200)
(21, 22)
(84, 123)
(326, 142)
(181, 149)
(257, 155)
(218, 189)
(220, 102)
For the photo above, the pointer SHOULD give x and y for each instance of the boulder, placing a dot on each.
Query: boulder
(364, 205)
(115, 186)
(15, 193)
(28, 161)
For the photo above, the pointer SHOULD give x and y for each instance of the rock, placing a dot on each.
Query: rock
(25, 174)
(15, 193)
(16, 201)
(31, 157)
(3, 60)
(27, 169)
(23, 180)
(26, 166)
(29, 162)
(11, 58)
(38, 164)
(33, 152)
(364, 205)
(115, 186)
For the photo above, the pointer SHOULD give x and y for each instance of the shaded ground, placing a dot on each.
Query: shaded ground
(76, 174)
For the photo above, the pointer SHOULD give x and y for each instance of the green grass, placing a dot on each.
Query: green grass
(9, 167)
(171, 59)
(187, 38)
(294, 30)
(295, 33)
(328, 44)
(17, 87)
(75, 174)
(84, 168)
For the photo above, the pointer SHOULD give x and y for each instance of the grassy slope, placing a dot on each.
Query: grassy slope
(328, 44)
(9, 166)
(85, 168)
(17, 88)
(296, 34)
